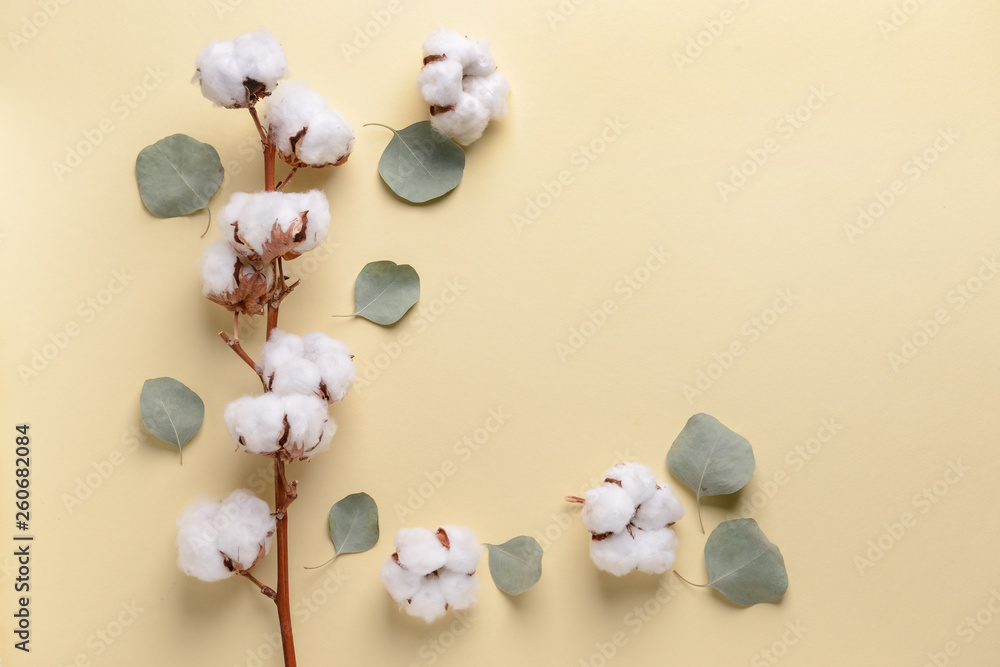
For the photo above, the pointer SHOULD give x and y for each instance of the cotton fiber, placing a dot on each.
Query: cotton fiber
(306, 131)
(461, 86)
(238, 73)
(238, 284)
(313, 364)
(296, 424)
(262, 226)
(433, 571)
(215, 539)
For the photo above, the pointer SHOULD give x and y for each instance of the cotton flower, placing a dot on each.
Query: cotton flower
(306, 131)
(265, 225)
(238, 284)
(294, 426)
(629, 516)
(238, 73)
(311, 364)
(215, 539)
(460, 84)
(432, 572)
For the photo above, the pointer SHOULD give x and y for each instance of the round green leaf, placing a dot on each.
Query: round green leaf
(171, 411)
(516, 565)
(177, 175)
(710, 459)
(354, 524)
(420, 163)
(743, 564)
(384, 291)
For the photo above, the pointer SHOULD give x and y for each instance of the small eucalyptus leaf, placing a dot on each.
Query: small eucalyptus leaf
(354, 524)
(420, 163)
(516, 565)
(171, 411)
(743, 564)
(384, 291)
(177, 175)
(711, 459)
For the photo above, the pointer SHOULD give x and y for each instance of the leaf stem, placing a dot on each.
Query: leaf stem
(690, 583)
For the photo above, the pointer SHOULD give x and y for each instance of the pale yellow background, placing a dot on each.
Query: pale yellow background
(677, 130)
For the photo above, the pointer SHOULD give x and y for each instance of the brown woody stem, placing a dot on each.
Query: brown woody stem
(575, 499)
(281, 500)
(235, 346)
(266, 590)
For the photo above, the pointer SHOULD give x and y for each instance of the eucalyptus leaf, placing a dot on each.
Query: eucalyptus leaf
(420, 163)
(743, 564)
(384, 291)
(171, 411)
(710, 458)
(516, 565)
(354, 524)
(177, 175)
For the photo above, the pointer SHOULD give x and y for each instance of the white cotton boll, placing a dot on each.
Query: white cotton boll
(440, 83)
(218, 263)
(654, 549)
(256, 422)
(401, 584)
(295, 376)
(264, 225)
(310, 428)
(478, 60)
(197, 551)
(464, 550)
(465, 123)
(658, 510)
(245, 525)
(607, 509)
(327, 138)
(428, 602)
(491, 91)
(459, 588)
(615, 554)
(419, 550)
(279, 349)
(638, 480)
(333, 360)
(449, 43)
(235, 74)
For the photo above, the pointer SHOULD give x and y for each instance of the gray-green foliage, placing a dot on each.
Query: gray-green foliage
(354, 524)
(710, 458)
(177, 175)
(516, 565)
(743, 564)
(420, 163)
(171, 411)
(384, 291)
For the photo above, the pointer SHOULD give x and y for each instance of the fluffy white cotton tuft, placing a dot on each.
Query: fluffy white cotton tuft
(460, 84)
(305, 129)
(236, 74)
(214, 539)
(628, 517)
(433, 571)
(297, 423)
(313, 364)
(265, 225)
(234, 282)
